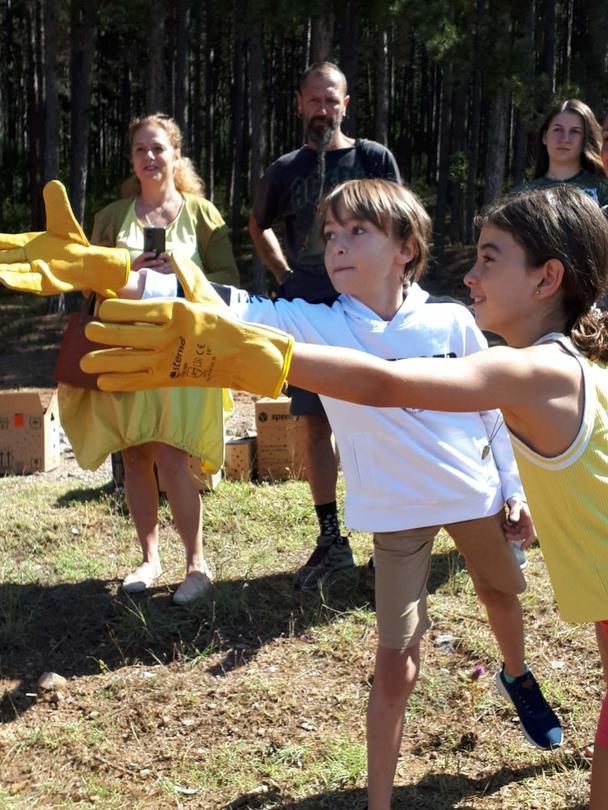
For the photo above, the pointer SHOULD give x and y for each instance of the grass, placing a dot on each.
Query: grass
(255, 698)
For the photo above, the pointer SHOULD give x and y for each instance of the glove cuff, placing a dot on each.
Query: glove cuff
(108, 269)
(264, 360)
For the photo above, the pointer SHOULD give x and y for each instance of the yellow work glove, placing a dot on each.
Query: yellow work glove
(60, 259)
(178, 343)
(195, 284)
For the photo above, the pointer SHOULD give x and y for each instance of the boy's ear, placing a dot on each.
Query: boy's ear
(550, 278)
(409, 250)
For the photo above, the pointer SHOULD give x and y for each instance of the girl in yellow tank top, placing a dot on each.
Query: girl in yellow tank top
(542, 263)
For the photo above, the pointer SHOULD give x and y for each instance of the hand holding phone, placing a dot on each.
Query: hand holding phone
(154, 240)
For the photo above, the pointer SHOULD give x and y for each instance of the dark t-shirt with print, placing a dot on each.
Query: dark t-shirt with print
(290, 191)
(595, 185)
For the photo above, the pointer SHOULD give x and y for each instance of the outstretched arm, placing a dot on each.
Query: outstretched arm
(156, 335)
(478, 382)
(537, 388)
(181, 343)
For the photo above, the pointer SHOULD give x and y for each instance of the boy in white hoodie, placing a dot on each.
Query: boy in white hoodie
(410, 471)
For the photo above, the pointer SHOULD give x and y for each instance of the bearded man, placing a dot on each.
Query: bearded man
(290, 192)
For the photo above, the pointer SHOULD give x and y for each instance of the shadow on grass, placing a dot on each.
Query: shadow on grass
(68, 499)
(443, 567)
(437, 791)
(79, 628)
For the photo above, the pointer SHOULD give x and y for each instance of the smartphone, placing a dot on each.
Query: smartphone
(154, 240)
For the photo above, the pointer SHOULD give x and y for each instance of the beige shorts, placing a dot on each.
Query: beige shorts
(403, 560)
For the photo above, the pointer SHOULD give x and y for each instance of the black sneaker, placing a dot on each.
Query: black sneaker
(331, 554)
(539, 723)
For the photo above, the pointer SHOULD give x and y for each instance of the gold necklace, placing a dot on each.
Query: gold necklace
(154, 222)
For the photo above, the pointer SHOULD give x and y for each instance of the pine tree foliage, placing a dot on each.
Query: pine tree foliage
(456, 88)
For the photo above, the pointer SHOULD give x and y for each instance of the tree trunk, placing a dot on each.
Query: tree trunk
(51, 99)
(155, 73)
(409, 120)
(181, 70)
(322, 35)
(474, 129)
(256, 118)
(524, 115)
(434, 117)
(349, 59)
(459, 157)
(196, 108)
(497, 146)
(235, 201)
(55, 303)
(444, 160)
(82, 36)
(550, 48)
(34, 126)
(210, 109)
(520, 149)
(381, 88)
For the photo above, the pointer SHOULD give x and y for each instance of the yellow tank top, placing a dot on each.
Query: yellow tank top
(568, 498)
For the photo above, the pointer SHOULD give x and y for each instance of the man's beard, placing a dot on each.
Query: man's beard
(320, 131)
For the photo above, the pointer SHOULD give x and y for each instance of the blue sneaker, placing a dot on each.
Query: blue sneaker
(539, 723)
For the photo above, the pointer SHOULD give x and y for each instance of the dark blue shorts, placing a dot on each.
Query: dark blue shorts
(316, 289)
(304, 403)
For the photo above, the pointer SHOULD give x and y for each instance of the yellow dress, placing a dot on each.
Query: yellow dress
(191, 419)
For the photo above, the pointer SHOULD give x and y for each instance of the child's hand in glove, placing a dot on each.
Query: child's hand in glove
(60, 259)
(177, 343)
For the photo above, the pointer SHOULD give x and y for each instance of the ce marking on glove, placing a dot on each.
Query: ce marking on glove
(203, 353)
(200, 361)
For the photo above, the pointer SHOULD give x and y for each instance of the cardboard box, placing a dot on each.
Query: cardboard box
(29, 431)
(280, 452)
(240, 459)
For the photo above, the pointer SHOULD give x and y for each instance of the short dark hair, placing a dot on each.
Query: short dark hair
(318, 68)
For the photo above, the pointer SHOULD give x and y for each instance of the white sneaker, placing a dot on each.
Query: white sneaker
(142, 577)
(196, 585)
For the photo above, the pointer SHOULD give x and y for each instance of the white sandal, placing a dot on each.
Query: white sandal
(196, 585)
(142, 577)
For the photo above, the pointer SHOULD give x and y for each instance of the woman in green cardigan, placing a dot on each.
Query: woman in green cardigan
(159, 427)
